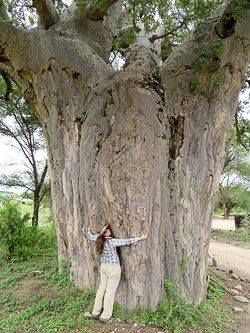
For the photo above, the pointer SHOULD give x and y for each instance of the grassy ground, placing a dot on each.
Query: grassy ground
(45, 215)
(34, 298)
(240, 237)
(47, 302)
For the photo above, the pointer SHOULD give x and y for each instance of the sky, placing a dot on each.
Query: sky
(12, 160)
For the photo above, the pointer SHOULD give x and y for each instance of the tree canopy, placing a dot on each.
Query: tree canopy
(168, 21)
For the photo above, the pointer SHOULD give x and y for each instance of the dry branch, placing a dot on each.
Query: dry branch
(221, 285)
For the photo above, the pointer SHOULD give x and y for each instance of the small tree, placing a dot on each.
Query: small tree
(18, 123)
(236, 167)
(12, 226)
(238, 197)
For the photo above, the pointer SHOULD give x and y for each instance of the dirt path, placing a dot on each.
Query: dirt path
(219, 223)
(230, 256)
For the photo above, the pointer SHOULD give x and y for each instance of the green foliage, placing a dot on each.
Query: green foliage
(5, 196)
(27, 195)
(243, 124)
(193, 85)
(12, 225)
(216, 81)
(19, 240)
(177, 314)
(235, 177)
(66, 309)
(44, 313)
(241, 7)
(239, 237)
(202, 63)
(237, 200)
(209, 61)
(175, 16)
(22, 13)
(214, 48)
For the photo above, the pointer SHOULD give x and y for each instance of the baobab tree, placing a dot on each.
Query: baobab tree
(141, 148)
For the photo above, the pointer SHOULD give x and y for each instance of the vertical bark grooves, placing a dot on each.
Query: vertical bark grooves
(136, 147)
(195, 171)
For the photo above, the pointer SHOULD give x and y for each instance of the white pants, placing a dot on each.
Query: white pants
(110, 277)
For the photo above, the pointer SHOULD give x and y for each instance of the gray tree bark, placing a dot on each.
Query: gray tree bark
(136, 147)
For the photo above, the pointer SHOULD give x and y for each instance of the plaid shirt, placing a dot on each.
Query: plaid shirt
(109, 255)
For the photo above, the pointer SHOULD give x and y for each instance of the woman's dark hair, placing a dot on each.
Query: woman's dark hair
(100, 244)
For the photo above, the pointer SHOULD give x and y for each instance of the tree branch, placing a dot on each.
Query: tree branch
(47, 12)
(153, 38)
(95, 14)
(7, 131)
(238, 131)
(43, 176)
(13, 181)
(221, 285)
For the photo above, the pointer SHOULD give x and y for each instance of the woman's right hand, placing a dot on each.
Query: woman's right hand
(88, 227)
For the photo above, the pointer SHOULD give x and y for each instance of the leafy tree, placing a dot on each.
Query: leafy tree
(236, 168)
(142, 148)
(19, 123)
(238, 199)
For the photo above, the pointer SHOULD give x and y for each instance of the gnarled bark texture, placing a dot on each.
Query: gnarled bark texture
(135, 147)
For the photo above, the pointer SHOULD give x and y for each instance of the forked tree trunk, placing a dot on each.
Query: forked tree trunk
(135, 147)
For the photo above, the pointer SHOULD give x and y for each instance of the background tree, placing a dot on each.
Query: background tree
(236, 168)
(238, 200)
(142, 148)
(19, 123)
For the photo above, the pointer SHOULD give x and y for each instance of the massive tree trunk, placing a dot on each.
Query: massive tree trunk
(136, 147)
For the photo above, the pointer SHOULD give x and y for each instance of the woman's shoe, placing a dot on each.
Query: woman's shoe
(95, 316)
(110, 320)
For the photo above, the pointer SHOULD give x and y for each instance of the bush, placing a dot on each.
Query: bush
(16, 238)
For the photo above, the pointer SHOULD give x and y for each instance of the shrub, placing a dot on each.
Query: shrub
(11, 227)
(16, 238)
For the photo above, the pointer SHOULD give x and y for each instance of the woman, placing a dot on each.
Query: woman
(110, 269)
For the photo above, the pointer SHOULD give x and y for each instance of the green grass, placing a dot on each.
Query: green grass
(66, 311)
(240, 237)
(45, 216)
(63, 310)
(38, 313)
